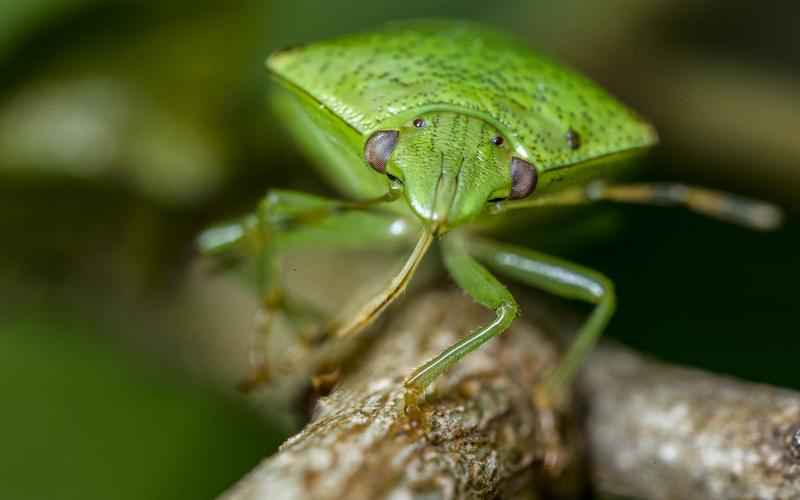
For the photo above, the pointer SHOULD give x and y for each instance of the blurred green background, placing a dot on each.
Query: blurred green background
(127, 126)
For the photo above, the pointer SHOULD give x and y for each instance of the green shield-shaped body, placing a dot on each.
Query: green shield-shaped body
(567, 127)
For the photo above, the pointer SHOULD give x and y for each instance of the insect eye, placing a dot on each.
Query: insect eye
(497, 140)
(420, 123)
(524, 178)
(378, 148)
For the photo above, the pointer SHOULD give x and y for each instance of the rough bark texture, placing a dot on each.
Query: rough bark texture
(484, 439)
(661, 432)
(655, 431)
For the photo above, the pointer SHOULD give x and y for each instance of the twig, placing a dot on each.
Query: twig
(655, 431)
(661, 432)
(484, 439)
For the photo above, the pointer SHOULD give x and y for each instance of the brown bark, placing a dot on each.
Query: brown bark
(655, 431)
(661, 432)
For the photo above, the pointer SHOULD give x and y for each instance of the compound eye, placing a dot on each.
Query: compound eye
(378, 148)
(524, 178)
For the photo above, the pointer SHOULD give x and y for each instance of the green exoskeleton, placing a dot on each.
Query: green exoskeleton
(439, 128)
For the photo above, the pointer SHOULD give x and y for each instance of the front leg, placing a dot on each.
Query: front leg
(560, 278)
(566, 280)
(479, 283)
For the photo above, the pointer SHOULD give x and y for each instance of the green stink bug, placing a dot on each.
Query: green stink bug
(446, 126)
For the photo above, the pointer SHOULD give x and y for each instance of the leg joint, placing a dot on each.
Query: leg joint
(508, 311)
(599, 287)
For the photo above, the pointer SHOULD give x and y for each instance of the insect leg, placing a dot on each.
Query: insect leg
(560, 278)
(724, 206)
(285, 219)
(279, 209)
(288, 220)
(487, 291)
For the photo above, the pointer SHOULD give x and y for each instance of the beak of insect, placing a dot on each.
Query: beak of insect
(441, 207)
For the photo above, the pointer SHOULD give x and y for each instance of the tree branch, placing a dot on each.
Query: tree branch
(654, 431)
(661, 432)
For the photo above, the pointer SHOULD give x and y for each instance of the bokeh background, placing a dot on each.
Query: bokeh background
(128, 126)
